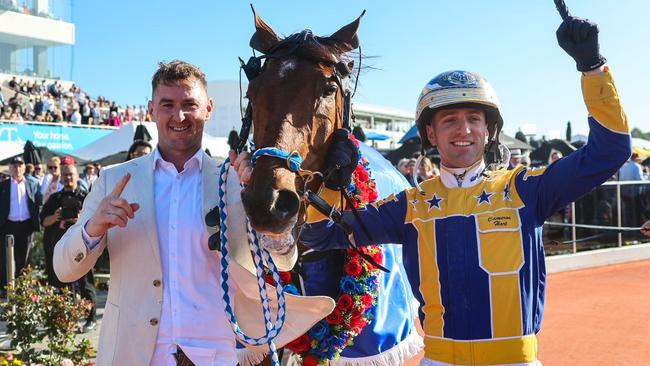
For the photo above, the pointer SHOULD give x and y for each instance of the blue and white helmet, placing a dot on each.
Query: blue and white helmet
(457, 87)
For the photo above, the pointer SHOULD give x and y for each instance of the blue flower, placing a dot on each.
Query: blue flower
(361, 287)
(320, 330)
(339, 340)
(348, 284)
(371, 282)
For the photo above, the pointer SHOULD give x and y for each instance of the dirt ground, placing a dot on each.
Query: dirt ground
(596, 317)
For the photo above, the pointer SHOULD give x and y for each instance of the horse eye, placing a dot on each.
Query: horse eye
(330, 89)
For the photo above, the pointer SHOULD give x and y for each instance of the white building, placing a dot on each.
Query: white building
(30, 30)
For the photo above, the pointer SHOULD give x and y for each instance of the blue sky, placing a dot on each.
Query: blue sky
(510, 42)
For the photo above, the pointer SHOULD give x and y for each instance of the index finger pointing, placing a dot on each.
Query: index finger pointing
(119, 187)
(562, 9)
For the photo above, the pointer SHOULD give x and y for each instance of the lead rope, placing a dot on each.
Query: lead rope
(260, 255)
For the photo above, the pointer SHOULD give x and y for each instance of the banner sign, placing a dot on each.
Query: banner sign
(64, 139)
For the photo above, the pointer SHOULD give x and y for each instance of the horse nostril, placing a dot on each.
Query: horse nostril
(286, 204)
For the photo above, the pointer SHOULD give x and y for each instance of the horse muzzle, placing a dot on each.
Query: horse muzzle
(271, 211)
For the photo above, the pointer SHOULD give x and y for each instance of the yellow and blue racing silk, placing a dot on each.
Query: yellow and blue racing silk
(474, 255)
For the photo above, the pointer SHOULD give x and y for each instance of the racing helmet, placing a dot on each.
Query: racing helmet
(458, 88)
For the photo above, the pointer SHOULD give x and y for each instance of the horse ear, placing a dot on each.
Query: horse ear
(346, 37)
(264, 37)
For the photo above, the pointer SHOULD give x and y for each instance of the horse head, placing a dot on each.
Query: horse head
(297, 101)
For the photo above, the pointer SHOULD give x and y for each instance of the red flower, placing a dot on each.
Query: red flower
(372, 196)
(309, 360)
(379, 256)
(268, 278)
(361, 173)
(335, 317)
(353, 268)
(345, 302)
(354, 139)
(366, 301)
(300, 344)
(353, 254)
(357, 323)
(285, 277)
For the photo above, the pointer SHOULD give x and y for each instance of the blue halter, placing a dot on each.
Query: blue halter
(293, 159)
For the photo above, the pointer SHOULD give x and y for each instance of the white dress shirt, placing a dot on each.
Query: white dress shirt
(192, 311)
(18, 209)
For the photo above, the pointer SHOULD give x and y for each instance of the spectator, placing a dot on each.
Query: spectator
(95, 114)
(89, 175)
(75, 118)
(425, 170)
(51, 182)
(515, 159)
(632, 195)
(39, 173)
(129, 114)
(19, 207)
(113, 108)
(114, 120)
(59, 213)
(38, 106)
(631, 170)
(85, 111)
(138, 148)
(555, 156)
(141, 113)
(408, 171)
(525, 160)
(13, 84)
(29, 173)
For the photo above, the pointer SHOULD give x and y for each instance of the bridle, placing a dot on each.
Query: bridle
(256, 65)
(252, 69)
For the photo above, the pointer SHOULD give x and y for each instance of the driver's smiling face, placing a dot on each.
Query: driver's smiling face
(460, 135)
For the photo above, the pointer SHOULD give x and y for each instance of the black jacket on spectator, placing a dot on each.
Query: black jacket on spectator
(52, 233)
(33, 201)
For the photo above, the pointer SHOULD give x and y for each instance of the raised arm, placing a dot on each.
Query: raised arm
(608, 146)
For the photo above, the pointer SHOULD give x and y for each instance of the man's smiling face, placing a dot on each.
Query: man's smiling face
(460, 135)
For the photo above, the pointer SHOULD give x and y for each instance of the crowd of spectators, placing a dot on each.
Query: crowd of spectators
(43, 102)
(426, 170)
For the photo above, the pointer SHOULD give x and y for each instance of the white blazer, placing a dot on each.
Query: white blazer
(134, 304)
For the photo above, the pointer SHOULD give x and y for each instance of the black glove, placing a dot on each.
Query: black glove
(579, 38)
(341, 160)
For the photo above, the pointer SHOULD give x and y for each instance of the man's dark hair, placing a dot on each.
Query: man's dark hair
(175, 71)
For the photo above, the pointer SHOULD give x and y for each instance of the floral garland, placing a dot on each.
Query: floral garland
(359, 288)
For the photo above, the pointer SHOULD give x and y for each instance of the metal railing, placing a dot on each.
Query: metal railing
(11, 264)
(637, 195)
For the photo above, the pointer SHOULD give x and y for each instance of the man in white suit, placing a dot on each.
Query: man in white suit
(164, 304)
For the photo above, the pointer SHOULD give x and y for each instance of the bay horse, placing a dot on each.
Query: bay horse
(296, 101)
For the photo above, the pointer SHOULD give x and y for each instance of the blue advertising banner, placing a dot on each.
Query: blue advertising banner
(63, 138)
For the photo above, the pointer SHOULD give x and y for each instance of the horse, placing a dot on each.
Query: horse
(297, 99)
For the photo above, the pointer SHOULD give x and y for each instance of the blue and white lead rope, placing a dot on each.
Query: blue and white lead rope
(259, 255)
